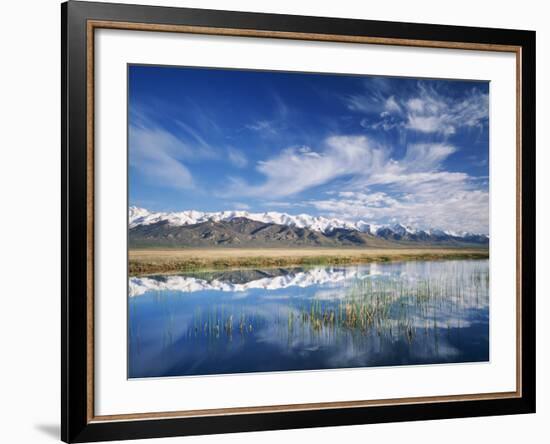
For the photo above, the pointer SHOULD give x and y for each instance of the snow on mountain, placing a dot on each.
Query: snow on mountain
(140, 216)
(403, 230)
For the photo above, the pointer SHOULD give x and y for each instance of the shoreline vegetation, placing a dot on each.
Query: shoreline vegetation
(150, 261)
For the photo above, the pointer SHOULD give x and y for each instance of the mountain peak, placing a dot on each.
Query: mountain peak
(141, 216)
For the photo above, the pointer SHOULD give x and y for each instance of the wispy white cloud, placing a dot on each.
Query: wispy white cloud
(391, 105)
(384, 122)
(430, 124)
(276, 122)
(281, 108)
(265, 126)
(156, 153)
(457, 206)
(298, 168)
(426, 156)
(237, 157)
(163, 156)
(424, 110)
(431, 112)
(416, 191)
(372, 102)
(197, 138)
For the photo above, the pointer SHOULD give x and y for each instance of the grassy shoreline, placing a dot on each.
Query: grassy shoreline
(148, 261)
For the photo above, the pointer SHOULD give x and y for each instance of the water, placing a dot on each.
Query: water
(390, 314)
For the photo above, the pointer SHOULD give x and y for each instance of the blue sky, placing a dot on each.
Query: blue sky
(380, 149)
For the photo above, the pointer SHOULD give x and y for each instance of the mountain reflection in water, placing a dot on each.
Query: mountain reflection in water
(424, 312)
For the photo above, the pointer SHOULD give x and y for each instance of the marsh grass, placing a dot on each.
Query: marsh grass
(165, 261)
(396, 308)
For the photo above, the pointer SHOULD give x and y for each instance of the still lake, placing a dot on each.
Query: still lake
(379, 314)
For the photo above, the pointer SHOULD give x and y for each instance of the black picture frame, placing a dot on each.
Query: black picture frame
(76, 325)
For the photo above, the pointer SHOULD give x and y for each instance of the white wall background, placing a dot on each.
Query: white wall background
(30, 208)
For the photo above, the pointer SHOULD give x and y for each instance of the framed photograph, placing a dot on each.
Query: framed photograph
(276, 221)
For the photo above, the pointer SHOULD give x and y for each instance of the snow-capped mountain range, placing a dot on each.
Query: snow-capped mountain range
(141, 217)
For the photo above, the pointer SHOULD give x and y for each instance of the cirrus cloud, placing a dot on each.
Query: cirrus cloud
(296, 169)
(156, 154)
(423, 109)
(413, 189)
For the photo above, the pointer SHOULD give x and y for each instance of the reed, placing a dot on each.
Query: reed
(387, 307)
